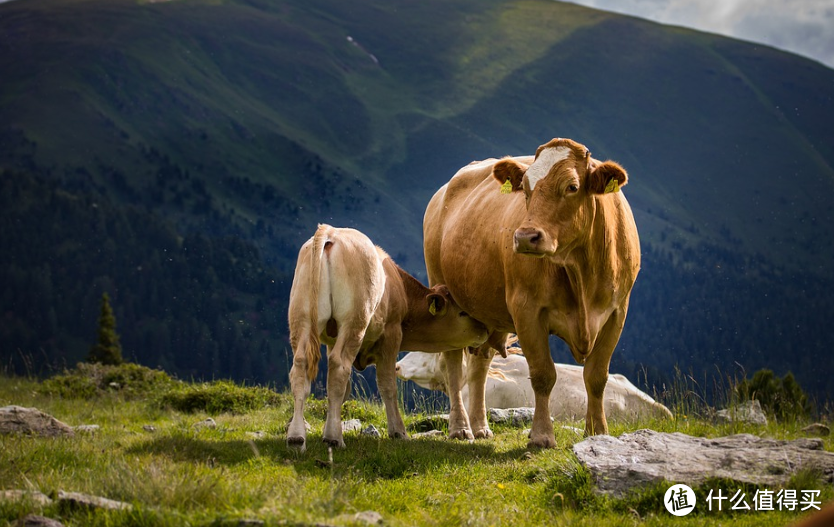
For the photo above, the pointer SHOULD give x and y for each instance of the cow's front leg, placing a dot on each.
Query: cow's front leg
(534, 342)
(476, 374)
(386, 380)
(595, 373)
(452, 366)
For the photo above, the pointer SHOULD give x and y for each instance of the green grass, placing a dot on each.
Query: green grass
(181, 474)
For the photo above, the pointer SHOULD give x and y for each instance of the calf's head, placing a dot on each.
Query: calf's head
(561, 188)
(441, 325)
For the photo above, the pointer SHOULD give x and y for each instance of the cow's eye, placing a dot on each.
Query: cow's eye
(463, 314)
(573, 187)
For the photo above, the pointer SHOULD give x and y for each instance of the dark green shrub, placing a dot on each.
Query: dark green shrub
(218, 397)
(87, 381)
(782, 398)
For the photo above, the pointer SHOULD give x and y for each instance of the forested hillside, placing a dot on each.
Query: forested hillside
(177, 154)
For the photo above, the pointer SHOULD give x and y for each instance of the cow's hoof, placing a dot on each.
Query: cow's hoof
(398, 435)
(335, 443)
(298, 443)
(463, 434)
(483, 433)
(542, 442)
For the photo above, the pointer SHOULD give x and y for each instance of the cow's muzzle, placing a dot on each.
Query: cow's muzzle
(529, 240)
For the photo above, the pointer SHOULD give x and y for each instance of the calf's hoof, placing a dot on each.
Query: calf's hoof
(463, 433)
(398, 435)
(298, 443)
(335, 443)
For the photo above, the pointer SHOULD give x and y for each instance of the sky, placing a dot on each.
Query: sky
(804, 27)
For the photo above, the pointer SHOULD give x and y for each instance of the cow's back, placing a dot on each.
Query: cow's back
(467, 233)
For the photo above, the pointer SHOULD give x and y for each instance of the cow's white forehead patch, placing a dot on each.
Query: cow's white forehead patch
(541, 167)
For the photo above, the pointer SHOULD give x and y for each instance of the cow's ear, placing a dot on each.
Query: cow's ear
(509, 172)
(437, 304)
(606, 177)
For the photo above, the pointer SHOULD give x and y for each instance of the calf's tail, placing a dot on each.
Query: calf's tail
(320, 239)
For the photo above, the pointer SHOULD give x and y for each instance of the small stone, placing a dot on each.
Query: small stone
(38, 498)
(149, 428)
(351, 425)
(33, 520)
(577, 431)
(371, 430)
(817, 429)
(368, 517)
(78, 500)
(430, 433)
(86, 429)
(206, 423)
(746, 412)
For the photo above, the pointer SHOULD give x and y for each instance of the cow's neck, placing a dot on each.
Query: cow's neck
(588, 270)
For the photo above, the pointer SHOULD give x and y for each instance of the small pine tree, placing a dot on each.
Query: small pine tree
(108, 349)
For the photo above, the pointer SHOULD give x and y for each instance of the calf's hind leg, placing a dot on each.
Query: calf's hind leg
(339, 363)
(300, 385)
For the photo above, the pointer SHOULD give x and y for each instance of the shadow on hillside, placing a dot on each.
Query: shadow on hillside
(367, 457)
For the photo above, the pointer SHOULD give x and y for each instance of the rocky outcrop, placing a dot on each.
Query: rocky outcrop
(19, 420)
(645, 457)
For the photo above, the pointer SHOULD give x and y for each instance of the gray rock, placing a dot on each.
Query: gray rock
(35, 497)
(149, 428)
(351, 425)
(746, 412)
(85, 501)
(645, 457)
(515, 416)
(817, 429)
(372, 431)
(16, 419)
(33, 520)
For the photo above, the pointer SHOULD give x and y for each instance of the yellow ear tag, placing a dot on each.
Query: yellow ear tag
(506, 188)
(612, 186)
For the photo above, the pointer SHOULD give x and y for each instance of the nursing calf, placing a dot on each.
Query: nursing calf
(350, 295)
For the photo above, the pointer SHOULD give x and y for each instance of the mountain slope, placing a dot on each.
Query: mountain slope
(258, 119)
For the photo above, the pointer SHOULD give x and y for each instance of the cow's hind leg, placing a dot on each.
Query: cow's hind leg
(300, 385)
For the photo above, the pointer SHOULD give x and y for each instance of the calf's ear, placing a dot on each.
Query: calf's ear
(438, 300)
(509, 172)
(606, 177)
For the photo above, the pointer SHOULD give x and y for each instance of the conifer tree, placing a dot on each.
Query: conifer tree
(108, 349)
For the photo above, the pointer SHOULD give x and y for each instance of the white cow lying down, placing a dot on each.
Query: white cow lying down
(508, 386)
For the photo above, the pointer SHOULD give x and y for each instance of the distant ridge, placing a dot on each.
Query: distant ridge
(255, 120)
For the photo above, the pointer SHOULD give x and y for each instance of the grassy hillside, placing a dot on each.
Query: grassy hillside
(257, 120)
(172, 472)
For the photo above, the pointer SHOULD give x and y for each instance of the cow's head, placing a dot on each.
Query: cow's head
(561, 188)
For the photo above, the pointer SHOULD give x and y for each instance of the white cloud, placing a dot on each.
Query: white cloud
(804, 27)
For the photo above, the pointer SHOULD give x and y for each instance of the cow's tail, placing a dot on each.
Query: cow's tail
(320, 239)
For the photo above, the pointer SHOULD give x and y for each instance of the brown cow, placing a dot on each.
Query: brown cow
(539, 246)
(350, 295)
